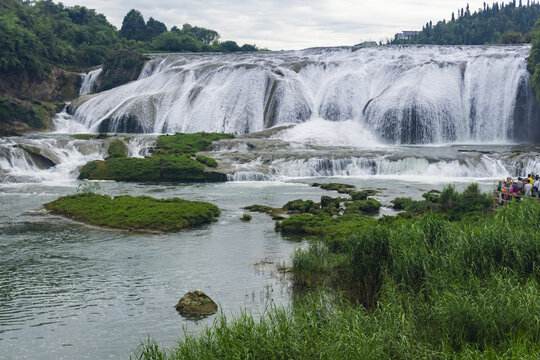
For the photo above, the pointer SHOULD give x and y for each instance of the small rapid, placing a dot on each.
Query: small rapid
(88, 81)
(53, 158)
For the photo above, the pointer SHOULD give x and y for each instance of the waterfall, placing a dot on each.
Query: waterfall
(398, 94)
(485, 166)
(88, 81)
(58, 157)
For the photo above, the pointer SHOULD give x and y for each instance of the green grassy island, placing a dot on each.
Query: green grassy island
(447, 279)
(173, 160)
(134, 213)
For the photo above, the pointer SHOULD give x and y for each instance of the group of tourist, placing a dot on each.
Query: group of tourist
(529, 186)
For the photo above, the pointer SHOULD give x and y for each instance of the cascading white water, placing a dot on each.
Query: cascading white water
(401, 95)
(410, 167)
(63, 156)
(88, 81)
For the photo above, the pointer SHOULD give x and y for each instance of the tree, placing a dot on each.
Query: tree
(229, 46)
(248, 47)
(154, 28)
(202, 34)
(511, 37)
(133, 27)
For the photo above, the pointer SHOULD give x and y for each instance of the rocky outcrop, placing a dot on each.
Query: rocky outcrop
(54, 86)
(39, 159)
(28, 103)
(120, 67)
(17, 116)
(196, 303)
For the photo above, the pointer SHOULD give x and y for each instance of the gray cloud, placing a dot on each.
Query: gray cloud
(292, 24)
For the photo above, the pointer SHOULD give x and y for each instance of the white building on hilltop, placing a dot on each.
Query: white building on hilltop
(406, 35)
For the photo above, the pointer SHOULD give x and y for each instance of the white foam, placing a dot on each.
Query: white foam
(331, 133)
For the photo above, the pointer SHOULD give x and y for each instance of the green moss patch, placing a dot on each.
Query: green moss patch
(18, 115)
(158, 169)
(89, 136)
(208, 161)
(275, 213)
(171, 161)
(134, 213)
(117, 149)
(188, 143)
(368, 206)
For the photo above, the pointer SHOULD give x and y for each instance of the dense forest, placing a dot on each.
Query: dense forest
(509, 23)
(534, 60)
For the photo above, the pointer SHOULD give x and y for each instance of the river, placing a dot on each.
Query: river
(402, 120)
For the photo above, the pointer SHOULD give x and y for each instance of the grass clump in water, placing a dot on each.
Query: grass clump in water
(134, 213)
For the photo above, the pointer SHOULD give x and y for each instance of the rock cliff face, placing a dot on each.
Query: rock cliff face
(56, 85)
(120, 67)
(28, 103)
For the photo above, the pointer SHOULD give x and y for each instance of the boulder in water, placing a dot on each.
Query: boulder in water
(196, 303)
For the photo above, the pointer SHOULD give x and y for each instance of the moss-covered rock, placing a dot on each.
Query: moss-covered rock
(340, 188)
(155, 169)
(18, 116)
(246, 217)
(208, 161)
(188, 143)
(117, 149)
(171, 161)
(134, 213)
(196, 304)
(89, 136)
(300, 206)
(275, 213)
(401, 203)
(35, 153)
(322, 224)
(120, 67)
(368, 206)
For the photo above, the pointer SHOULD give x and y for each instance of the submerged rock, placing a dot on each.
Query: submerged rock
(196, 303)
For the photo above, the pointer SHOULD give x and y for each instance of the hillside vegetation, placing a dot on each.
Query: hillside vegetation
(509, 23)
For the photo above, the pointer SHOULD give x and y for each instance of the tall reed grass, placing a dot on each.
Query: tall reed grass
(422, 288)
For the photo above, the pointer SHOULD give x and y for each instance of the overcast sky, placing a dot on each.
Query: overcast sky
(288, 24)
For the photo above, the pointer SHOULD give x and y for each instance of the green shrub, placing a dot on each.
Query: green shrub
(401, 203)
(246, 217)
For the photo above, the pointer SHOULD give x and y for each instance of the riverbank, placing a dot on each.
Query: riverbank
(450, 287)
